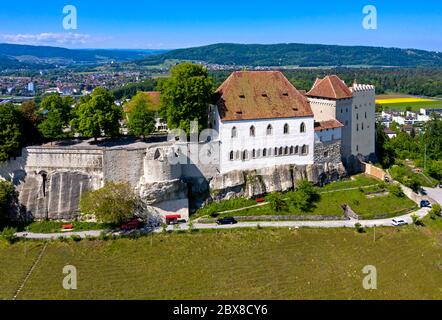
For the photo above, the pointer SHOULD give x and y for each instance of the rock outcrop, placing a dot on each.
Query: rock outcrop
(275, 179)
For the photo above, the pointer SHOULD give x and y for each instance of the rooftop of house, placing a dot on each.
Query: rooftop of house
(252, 95)
(328, 124)
(330, 87)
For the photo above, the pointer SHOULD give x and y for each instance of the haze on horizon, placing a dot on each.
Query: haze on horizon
(180, 24)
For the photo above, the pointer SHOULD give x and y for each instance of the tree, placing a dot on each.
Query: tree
(115, 203)
(277, 202)
(141, 120)
(436, 211)
(304, 196)
(384, 150)
(10, 131)
(56, 113)
(97, 115)
(185, 96)
(30, 119)
(8, 196)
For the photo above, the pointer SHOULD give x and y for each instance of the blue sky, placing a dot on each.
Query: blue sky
(185, 23)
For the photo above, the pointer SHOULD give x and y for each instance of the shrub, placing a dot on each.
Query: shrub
(76, 238)
(115, 203)
(396, 190)
(435, 211)
(8, 196)
(8, 234)
(416, 220)
(359, 228)
(277, 202)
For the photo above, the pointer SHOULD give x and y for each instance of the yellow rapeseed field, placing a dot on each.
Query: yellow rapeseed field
(402, 100)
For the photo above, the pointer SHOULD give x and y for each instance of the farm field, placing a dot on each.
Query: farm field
(398, 103)
(234, 264)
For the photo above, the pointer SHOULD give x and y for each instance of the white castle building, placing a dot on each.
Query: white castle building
(262, 120)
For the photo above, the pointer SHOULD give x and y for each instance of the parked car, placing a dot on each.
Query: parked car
(423, 192)
(132, 224)
(226, 220)
(425, 204)
(399, 222)
(440, 185)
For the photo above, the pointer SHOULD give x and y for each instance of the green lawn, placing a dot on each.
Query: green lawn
(403, 172)
(415, 106)
(235, 264)
(332, 197)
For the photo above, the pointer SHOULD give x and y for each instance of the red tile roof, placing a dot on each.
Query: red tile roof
(331, 87)
(329, 124)
(251, 95)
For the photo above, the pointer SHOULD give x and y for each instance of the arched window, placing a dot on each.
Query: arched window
(245, 155)
(302, 129)
(362, 128)
(232, 156)
(269, 130)
(281, 151)
(304, 149)
(264, 153)
(286, 128)
(253, 153)
(357, 127)
(276, 152)
(252, 131)
(234, 132)
(292, 150)
(297, 150)
(286, 150)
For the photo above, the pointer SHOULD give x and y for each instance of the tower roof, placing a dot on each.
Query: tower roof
(331, 87)
(251, 95)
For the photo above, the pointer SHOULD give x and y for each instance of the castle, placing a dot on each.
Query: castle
(267, 136)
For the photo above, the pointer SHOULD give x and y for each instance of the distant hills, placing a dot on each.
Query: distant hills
(303, 55)
(13, 56)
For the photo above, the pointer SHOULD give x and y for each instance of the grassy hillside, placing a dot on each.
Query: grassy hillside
(306, 55)
(236, 264)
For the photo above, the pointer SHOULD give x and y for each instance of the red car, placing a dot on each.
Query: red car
(260, 200)
(132, 224)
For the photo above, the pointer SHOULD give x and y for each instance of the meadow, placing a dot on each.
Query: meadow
(234, 264)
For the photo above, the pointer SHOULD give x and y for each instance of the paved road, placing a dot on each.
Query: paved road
(435, 194)
(275, 224)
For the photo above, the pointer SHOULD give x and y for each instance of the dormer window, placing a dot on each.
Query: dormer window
(302, 128)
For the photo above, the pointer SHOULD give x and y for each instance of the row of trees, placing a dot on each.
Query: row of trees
(425, 149)
(184, 98)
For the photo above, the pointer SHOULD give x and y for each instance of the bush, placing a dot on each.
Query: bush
(359, 228)
(396, 190)
(416, 220)
(115, 203)
(76, 238)
(8, 196)
(8, 234)
(435, 211)
(277, 202)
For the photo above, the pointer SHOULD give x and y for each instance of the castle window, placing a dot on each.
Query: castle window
(252, 131)
(357, 127)
(304, 149)
(276, 152)
(245, 155)
(292, 150)
(366, 115)
(232, 156)
(302, 129)
(357, 116)
(357, 148)
(264, 153)
(286, 129)
(297, 150)
(254, 154)
(269, 130)
(362, 126)
(286, 150)
(234, 132)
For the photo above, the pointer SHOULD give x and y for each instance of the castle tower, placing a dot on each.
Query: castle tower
(330, 98)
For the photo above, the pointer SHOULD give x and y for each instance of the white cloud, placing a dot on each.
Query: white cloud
(50, 39)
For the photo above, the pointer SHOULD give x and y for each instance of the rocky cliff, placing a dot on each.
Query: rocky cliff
(275, 179)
